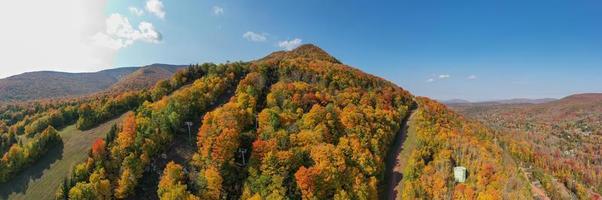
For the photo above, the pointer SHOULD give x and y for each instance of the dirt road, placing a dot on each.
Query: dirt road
(393, 177)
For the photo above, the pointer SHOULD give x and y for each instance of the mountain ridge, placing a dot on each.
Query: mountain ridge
(501, 101)
(54, 84)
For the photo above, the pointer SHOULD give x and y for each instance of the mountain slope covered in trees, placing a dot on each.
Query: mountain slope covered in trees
(49, 84)
(299, 125)
(145, 77)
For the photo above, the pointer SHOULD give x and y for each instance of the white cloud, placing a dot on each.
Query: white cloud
(119, 33)
(136, 11)
(52, 35)
(155, 7)
(434, 77)
(148, 33)
(472, 77)
(217, 10)
(255, 37)
(290, 44)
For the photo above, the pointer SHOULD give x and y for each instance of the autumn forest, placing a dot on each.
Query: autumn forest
(295, 124)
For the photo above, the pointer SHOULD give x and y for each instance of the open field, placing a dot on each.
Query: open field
(41, 180)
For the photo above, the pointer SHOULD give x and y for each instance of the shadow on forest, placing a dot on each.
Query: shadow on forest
(20, 183)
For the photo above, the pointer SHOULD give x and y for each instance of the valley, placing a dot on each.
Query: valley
(557, 141)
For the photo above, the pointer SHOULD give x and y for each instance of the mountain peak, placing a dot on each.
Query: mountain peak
(310, 48)
(308, 51)
(313, 52)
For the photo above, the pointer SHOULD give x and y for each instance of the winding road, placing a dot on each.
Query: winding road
(392, 177)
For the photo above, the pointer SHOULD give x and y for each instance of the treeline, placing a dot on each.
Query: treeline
(446, 140)
(58, 118)
(20, 156)
(101, 110)
(40, 118)
(11, 113)
(31, 118)
(145, 134)
(30, 126)
(97, 112)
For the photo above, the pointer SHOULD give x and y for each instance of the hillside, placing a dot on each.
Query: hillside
(145, 77)
(49, 84)
(561, 139)
(295, 124)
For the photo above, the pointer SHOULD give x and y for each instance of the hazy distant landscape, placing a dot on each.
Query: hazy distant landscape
(48, 84)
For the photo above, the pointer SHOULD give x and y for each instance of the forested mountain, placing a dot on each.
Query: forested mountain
(560, 142)
(295, 124)
(49, 84)
(145, 77)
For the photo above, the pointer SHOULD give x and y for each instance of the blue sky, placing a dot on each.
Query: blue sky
(475, 50)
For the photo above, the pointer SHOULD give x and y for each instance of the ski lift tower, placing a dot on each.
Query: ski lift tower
(242, 152)
(189, 124)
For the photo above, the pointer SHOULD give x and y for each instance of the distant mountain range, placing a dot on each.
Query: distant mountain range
(51, 84)
(505, 101)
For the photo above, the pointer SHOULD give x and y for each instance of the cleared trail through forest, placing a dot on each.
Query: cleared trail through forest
(393, 177)
(41, 180)
(180, 151)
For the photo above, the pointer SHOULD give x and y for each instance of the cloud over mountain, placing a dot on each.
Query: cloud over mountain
(119, 33)
(290, 44)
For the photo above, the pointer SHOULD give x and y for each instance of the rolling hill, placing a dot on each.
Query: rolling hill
(145, 77)
(49, 84)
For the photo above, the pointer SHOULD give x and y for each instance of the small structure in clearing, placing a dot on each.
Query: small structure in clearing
(460, 174)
